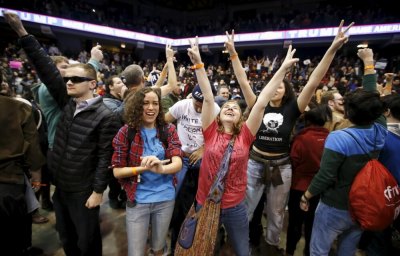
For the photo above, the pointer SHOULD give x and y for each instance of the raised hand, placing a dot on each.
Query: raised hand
(96, 53)
(289, 60)
(341, 38)
(193, 51)
(366, 54)
(230, 43)
(182, 71)
(15, 23)
(169, 52)
(389, 76)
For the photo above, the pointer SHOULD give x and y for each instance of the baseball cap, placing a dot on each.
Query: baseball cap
(197, 94)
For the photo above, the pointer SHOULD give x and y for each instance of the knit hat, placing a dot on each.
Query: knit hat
(197, 94)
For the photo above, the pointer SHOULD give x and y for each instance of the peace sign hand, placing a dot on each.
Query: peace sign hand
(289, 60)
(169, 52)
(341, 38)
(193, 51)
(230, 43)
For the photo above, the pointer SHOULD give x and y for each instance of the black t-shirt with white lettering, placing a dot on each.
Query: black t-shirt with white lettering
(276, 127)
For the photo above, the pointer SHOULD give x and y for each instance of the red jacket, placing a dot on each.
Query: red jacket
(305, 154)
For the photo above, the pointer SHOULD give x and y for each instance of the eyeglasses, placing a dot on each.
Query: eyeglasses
(77, 79)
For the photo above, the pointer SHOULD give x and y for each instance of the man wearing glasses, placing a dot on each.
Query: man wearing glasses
(82, 147)
(335, 102)
(82, 153)
(46, 68)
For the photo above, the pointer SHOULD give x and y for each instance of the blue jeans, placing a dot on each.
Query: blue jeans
(331, 223)
(180, 176)
(276, 197)
(138, 219)
(236, 225)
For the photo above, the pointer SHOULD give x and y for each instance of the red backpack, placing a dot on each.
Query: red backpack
(374, 196)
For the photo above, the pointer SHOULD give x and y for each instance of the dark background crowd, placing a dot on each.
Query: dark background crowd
(213, 16)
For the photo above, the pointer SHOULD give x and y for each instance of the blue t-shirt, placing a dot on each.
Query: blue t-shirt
(154, 187)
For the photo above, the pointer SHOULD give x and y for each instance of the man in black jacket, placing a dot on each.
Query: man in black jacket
(82, 147)
(82, 153)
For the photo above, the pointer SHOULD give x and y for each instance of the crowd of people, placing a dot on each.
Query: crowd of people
(249, 134)
(140, 16)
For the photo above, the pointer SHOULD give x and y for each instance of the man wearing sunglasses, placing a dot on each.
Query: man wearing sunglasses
(82, 146)
(82, 153)
(48, 69)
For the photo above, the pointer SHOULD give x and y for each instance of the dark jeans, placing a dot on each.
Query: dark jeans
(15, 223)
(296, 219)
(77, 226)
(380, 243)
(184, 200)
(255, 225)
(116, 192)
(376, 243)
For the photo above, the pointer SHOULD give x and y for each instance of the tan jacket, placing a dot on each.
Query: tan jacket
(338, 122)
(19, 141)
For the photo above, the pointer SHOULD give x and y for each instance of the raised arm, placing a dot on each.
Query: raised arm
(369, 78)
(202, 79)
(163, 75)
(257, 112)
(44, 65)
(240, 74)
(389, 83)
(319, 72)
(172, 81)
(96, 56)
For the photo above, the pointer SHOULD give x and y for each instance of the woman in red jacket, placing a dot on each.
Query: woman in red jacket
(306, 153)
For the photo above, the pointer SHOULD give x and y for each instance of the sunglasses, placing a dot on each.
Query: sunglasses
(123, 79)
(77, 79)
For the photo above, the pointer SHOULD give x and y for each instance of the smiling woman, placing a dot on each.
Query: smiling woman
(139, 151)
(222, 177)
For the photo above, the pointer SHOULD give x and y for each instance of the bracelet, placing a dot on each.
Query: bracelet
(197, 66)
(233, 56)
(304, 201)
(134, 171)
(38, 184)
(369, 67)
(307, 199)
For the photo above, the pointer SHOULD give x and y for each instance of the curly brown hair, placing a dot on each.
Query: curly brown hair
(236, 127)
(133, 112)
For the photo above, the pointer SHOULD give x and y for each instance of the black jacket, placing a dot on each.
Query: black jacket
(82, 147)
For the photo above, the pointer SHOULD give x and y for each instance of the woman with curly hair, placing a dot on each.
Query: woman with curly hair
(139, 151)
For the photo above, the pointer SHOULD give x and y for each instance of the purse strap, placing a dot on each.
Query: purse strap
(217, 189)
